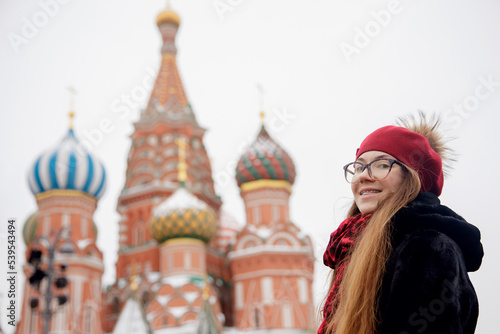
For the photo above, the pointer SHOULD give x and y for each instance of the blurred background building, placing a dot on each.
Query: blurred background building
(184, 265)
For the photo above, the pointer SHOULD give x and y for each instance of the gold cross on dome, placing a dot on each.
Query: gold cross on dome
(261, 101)
(72, 94)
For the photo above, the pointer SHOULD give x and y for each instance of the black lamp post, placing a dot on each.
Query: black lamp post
(60, 282)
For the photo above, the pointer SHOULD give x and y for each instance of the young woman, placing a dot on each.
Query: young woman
(401, 259)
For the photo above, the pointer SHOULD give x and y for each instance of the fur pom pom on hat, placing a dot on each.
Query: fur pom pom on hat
(411, 148)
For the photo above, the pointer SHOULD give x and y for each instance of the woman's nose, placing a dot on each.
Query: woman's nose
(365, 175)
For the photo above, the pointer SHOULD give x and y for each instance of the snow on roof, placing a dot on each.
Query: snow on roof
(176, 281)
(185, 329)
(180, 199)
(263, 232)
(191, 296)
(163, 300)
(84, 243)
(153, 276)
(178, 311)
(301, 235)
(131, 319)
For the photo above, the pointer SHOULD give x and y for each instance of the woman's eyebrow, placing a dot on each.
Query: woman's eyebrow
(382, 156)
(377, 157)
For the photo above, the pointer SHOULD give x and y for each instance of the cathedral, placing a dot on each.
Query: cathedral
(184, 265)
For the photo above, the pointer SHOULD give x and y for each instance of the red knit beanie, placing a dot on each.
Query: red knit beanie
(412, 149)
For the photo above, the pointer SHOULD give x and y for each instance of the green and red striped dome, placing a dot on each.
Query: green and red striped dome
(265, 160)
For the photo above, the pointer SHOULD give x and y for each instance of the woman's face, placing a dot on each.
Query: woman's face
(368, 192)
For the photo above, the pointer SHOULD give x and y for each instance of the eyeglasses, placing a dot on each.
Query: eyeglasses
(378, 169)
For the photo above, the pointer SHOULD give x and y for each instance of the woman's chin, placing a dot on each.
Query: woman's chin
(369, 207)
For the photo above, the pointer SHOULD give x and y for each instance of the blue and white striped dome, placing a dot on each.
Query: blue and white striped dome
(68, 166)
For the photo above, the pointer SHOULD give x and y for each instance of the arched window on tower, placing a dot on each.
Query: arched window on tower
(256, 215)
(167, 138)
(143, 168)
(170, 177)
(139, 236)
(276, 213)
(139, 233)
(84, 228)
(170, 166)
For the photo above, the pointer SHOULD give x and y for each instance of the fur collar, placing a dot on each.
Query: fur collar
(426, 212)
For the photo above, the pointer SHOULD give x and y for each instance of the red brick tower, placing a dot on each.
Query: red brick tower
(272, 262)
(153, 159)
(67, 182)
(182, 225)
(152, 170)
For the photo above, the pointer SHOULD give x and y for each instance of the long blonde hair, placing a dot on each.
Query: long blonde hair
(358, 292)
(357, 298)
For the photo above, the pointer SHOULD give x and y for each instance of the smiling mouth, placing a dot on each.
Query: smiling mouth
(366, 192)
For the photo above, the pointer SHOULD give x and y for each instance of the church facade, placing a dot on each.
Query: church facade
(184, 265)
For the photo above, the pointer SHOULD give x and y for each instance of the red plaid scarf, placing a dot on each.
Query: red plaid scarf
(337, 257)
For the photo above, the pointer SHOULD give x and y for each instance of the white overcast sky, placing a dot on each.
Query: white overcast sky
(435, 56)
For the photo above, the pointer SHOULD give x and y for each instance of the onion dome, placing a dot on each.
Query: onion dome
(168, 16)
(31, 225)
(68, 166)
(29, 229)
(265, 160)
(183, 215)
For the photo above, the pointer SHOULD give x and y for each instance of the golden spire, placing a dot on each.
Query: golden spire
(72, 94)
(182, 166)
(71, 116)
(168, 16)
(261, 102)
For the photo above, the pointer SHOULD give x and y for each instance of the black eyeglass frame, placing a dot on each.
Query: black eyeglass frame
(368, 166)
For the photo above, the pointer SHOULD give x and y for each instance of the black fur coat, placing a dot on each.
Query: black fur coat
(426, 287)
